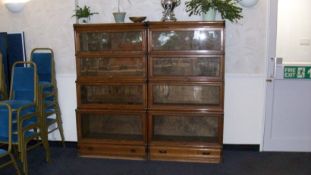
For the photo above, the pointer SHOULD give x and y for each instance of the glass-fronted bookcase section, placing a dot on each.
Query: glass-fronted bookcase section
(112, 126)
(111, 68)
(111, 38)
(195, 38)
(185, 96)
(185, 128)
(186, 68)
(111, 133)
(112, 95)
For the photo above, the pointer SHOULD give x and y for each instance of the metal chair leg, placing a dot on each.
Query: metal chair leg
(15, 164)
(60, 124)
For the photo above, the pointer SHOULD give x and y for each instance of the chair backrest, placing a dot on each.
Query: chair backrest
(24, 82)
(6, 123)
(44, 59)
(3, 89)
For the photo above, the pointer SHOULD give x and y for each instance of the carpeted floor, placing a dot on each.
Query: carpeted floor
(65, 161)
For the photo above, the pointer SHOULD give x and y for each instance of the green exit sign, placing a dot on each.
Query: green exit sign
(297, 72)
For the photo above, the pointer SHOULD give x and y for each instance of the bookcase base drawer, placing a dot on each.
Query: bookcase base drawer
(113, 151)
(185, 154)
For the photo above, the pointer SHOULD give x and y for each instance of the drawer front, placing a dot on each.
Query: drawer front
(185, 154)
(187, 128)
(186, 40)
(112, 41)
(187, 68)
(111, 126)
(182, 96)
(105, 67)
(112, 96)
(113, 151)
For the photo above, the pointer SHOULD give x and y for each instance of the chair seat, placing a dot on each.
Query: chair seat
(3, 151)
(48, 103)
(46, 86)
(50, 121)
(28, 134)
(50, 110)
(15, 104)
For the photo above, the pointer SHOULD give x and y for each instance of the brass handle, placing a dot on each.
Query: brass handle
(162, 151)
(206, 153)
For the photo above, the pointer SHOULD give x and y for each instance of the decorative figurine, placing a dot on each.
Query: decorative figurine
(169, 6)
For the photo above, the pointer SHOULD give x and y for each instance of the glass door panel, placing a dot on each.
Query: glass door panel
(293, 41)
(112, 126)
(111, 41)
(112, 67)
(192, 95)
(191, 67)
(187, 40)
(112, 94)
(185, 128)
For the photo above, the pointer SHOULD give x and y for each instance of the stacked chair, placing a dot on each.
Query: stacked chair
(26, 119)
(30, 110)
(6, 132)
(50, 110)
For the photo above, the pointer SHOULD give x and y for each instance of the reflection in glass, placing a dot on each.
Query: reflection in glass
(112, 67)
(207, 66)
(186, 94)
(111, 41)
(111, 126)
(111, 94)
(186, 40)
(185, 128)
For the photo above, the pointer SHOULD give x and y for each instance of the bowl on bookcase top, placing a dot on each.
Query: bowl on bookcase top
(136, 19)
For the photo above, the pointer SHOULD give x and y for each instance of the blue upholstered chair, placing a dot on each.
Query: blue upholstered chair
(24, 101)
(6, 126)
(44, 59)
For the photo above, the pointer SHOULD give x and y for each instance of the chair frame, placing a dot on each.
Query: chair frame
(53, 94)
(9, 150)
(22, 141)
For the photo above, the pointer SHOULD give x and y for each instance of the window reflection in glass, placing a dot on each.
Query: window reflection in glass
(105, 41)
(186, 40)
(111, 94)
(186, 94)
(111, 126)
(185, 128)
(186, 66)
(131, 66)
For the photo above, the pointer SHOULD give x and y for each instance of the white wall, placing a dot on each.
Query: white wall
(244, 108)
(294, 30)
(49, 24)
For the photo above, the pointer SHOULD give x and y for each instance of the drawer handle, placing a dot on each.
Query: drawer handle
(162, 151)
(133, 150)
(206, 153)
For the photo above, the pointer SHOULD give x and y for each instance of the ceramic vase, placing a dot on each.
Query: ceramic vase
(119, 17)
(210, 15)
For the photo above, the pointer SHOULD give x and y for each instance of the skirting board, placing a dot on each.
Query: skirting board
(226, 147)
